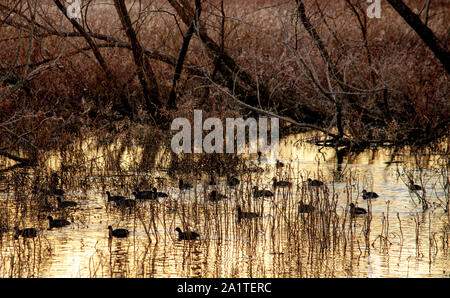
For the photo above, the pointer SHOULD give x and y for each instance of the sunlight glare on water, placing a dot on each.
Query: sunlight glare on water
(398, 239)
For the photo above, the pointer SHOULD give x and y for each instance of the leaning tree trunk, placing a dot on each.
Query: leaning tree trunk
(145, 72)
(425, 33)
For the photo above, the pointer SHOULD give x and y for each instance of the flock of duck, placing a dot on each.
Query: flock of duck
(214, 196)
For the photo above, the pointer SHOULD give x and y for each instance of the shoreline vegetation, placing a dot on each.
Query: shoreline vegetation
(316, 65)
(90, 186)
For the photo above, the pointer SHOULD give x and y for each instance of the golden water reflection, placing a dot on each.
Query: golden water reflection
(400, 239)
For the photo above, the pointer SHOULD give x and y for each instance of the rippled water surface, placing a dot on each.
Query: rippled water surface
(397, 239)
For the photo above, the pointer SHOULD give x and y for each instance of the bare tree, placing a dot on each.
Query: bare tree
(144, 68)
(425, 33)
(183, 52)
(303, 68)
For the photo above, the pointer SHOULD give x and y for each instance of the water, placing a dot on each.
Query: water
(398, 239)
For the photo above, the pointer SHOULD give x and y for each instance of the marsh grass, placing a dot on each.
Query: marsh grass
(431, 174)
(282, 243)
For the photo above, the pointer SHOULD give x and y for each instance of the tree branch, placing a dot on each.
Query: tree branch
(425, 33)
(88, 38)
(183, 52)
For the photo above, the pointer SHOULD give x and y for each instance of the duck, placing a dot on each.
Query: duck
(414, 187)
(25, 233)
(188, 235)
(119, 233)
(314, 182)
(64, 204)
(144, 194)
(367, 195)
(57, 223)
(183, 186)
(159, 194)
(246, 215)
(114, 198)
(304, 208)
(356, 210)
(232, 181)
(215, 196)
(281, 183)
(261, 192)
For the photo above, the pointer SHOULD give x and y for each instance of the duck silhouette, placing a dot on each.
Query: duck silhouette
(119, 233)
(261, 192)
(65, 204)
(314, 182)
(414, 187)
(114, 198)
(188, 235)
(356, 210)
(367, 195)
(144, 195)
(25, 233)
(183, 186)
(57, 223)
(215, 196)
(159, 194)
(277, 183)
(246, 215)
